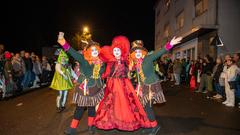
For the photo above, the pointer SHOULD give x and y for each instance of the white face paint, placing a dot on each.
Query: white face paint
(138, 53)
(94, 51)
(117, 52)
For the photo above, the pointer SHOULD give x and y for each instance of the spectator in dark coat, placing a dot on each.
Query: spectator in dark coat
(206, 76)
(217, 70)
(18, 69)
(27, 80)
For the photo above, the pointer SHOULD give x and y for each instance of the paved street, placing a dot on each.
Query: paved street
(185, 113)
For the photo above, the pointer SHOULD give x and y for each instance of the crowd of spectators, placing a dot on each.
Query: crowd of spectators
(219, 79)
(22, 71)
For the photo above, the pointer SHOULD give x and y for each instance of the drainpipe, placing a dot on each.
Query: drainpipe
(217, 23)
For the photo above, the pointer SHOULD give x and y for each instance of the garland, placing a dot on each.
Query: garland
(139, 69)
(96, 69)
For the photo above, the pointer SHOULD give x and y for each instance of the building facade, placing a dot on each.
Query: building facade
(207, 26)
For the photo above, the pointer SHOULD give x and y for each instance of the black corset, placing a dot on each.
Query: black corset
(119, 70)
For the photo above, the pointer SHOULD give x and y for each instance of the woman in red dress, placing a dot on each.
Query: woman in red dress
(120, 108)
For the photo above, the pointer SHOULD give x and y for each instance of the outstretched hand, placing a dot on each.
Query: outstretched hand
(175, 40)
(61, 41)
(84, 41)
(65, 77)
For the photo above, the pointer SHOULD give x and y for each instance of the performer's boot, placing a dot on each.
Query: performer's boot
(63, 108)
(155, 130)
(72, 130)
(149, 130)
(59, 109)
(91, 128)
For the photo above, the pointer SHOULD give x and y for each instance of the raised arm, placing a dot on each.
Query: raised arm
(76, 55)
(167, 47)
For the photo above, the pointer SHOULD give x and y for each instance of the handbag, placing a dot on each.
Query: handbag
(192, 83)
(232, 84)
(198, 77)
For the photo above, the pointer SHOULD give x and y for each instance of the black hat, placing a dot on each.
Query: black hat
(137, 44)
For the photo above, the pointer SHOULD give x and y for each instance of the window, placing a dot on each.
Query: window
(189, 53)
(177, 55)
(200, 6)
(166, 30)
(180, 20)
(184, 54)
(193, 54)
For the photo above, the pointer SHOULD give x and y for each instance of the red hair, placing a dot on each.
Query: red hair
(120, 42)
(87, 53)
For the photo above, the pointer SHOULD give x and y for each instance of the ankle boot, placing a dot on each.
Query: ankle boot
(91, 128)
(72, 130)
(149, 130)
(155, 130)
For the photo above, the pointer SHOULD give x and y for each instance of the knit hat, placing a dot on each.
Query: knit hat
(7, 55)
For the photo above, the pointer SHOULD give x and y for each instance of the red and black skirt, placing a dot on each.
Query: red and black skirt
(156, 91)
(92, 98)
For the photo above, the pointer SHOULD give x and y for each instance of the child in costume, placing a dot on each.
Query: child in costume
(120, 107)
(149, 88)
(62, 79)
(89, 90)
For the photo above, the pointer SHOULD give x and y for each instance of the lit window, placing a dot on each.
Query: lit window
(200, 6)
(177, 55)
(180, 20)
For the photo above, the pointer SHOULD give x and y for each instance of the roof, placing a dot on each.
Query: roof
(196, 32)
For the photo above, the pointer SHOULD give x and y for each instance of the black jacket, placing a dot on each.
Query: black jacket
(217, 73)
(207, 69)
(28, 64)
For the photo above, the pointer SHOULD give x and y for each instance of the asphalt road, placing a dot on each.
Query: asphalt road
(185, 113)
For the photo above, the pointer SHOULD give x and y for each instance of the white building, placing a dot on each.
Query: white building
(201, 23)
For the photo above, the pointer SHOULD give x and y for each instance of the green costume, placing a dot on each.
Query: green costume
(149, 88)
(89, 90)
(150, 82)
(59, 82)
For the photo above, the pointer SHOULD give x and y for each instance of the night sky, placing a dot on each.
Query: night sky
(30, 25)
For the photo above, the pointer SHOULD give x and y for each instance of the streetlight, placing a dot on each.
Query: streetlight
(85, 29)
(86, 35)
